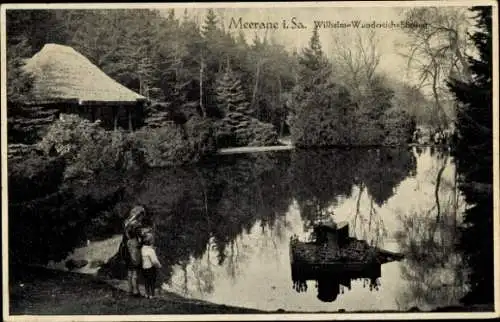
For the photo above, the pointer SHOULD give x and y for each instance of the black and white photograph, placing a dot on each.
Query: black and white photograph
(249, 161)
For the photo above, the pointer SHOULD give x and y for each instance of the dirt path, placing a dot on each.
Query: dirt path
(250, 149)
(39, 291)
(54, 290)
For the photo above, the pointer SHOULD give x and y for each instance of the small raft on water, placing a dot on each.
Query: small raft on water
(334, 259)
(333, 250)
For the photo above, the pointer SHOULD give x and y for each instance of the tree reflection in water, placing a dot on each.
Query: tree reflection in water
(201, 213)
(433, 269)
(368, 226)
(204, 216)
(322, 178)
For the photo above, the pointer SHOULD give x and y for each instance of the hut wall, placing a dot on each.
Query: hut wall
(131, 117)
(104, 113)
(122, 117)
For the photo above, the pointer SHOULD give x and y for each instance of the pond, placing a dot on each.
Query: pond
(224, 228)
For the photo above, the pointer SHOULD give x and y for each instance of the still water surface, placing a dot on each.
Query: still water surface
(224, 228)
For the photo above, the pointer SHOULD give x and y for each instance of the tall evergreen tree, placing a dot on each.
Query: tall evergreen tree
(171, 15)
(18, 82)
(321, 113)
(474, 158)
(25, 122)
(239, 127)
(212, 59)
(233, 129)
(210, 23)
(39, 27)
(315, 68)
(230, 95)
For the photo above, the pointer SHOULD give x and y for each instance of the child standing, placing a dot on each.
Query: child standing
(150, 264)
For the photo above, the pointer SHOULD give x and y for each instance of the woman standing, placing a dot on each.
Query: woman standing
(133, 248)
(134, 262)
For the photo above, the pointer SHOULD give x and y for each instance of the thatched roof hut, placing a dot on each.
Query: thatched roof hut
(61, 73)
(64, 77)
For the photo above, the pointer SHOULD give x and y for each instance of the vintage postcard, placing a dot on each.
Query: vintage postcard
(249, 161)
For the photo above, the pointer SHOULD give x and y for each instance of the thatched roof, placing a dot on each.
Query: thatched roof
(60, 73)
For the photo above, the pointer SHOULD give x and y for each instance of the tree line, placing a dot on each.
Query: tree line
(251, 92)
(186, 65)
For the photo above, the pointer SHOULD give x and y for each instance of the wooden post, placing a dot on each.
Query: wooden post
(115, 118)
(139, 114)
(75, 107)
(129, 110)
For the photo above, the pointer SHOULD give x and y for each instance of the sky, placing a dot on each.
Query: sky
(391, 40)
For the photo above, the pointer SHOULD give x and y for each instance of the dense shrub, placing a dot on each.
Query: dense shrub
(237, 129)
(323, 117)
(201, 138)
(262, 134)
(48, 214)
(173, 145)
(164, 146)
(34, 176)
(50, 227)
(399, 127)
(331, 119)
(26, 124)
(231, 130)
(89, 148)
